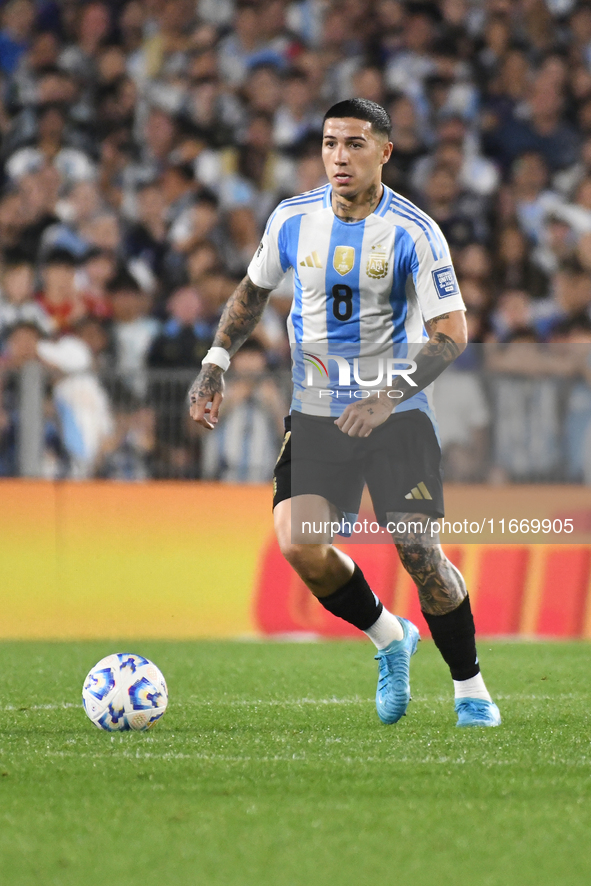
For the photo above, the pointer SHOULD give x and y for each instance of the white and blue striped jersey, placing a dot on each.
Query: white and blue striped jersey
(356, 284)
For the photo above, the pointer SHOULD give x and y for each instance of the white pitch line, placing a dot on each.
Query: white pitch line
(301, 702)
(243, 702)
(303, 758)
(40, 707)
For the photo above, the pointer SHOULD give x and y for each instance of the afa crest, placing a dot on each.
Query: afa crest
(344, 259)
(377, 266)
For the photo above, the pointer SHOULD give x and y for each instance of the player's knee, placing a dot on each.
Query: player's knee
(295, 554)
(307, 560)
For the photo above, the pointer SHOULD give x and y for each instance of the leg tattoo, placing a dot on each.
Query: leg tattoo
(440, 585)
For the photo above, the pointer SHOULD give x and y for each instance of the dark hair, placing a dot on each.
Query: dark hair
(123, 282)
(572, 267)
(206, 195)
(580, 322)
(254, 346)
(24, 324)
(184, 170)
(362, 109)
(522, 332)
(15, 258)
(60, 256)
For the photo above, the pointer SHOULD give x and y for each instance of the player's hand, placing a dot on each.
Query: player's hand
(359, 419)
(206, 395)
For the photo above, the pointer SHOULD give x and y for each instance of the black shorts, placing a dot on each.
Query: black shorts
(400, 462)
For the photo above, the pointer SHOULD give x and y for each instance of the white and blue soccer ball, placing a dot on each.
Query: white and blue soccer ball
(124, 691)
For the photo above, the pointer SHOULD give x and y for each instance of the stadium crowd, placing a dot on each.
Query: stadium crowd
(144, 144)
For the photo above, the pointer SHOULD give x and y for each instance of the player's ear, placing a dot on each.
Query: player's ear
(386, 152)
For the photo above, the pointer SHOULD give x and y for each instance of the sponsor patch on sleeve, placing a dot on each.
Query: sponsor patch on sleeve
(259, 253)
(445, 282)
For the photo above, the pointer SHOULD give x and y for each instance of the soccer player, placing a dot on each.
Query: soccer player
(369, 266)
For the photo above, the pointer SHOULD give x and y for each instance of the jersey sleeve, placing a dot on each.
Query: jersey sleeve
(434, 277)
(269, 262)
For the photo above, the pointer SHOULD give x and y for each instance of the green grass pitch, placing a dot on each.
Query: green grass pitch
(271, 768)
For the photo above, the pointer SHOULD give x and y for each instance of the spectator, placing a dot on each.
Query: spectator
(250, 429)
(408, 69)
(458, 218)
(94, 334)
(133, 330)
(195, 224)
(514, 268)
(568, 180)
(474, 263)
(158, 138)
(294, 118)
(570, 298)
(185, 337)
(91, 31)
(132, 445)
(18, 348)
(36, 214)
(557, 244)
(577, 333)
(183, 342)
(262, 90)
(146, 238)
(202, 261)
(241, 240)
(238, 51)
(526, 399)
(177, 185)
(545, 133)
(464, 419)
(18, 17)
(52, 148)
(96, 271)
(512, 314)
(17, 290)
(531, 195)
(458, 150)
(408, 144)
(59, 297)
(81, 403)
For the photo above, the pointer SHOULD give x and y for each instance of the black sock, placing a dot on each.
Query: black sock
(454, 636)
(355, 602)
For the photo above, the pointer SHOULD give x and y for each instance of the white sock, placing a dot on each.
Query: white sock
(472, 688)
(385, 630)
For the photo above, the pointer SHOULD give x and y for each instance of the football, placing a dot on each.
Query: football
(124, 691)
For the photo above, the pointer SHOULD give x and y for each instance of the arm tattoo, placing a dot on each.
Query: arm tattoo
(435, 320)
(240, 316)
(437, 354)
(440, 585)
(442, 345)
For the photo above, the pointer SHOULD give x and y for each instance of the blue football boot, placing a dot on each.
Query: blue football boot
(393, 692)
(477, 712)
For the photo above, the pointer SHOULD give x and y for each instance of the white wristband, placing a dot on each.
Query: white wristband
(219, 357)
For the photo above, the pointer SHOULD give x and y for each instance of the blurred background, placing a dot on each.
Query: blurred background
(144, 144)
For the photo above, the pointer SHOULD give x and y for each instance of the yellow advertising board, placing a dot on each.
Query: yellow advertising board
(181, 560)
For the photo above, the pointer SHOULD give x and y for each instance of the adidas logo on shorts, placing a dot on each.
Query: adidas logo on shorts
(420, 491)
